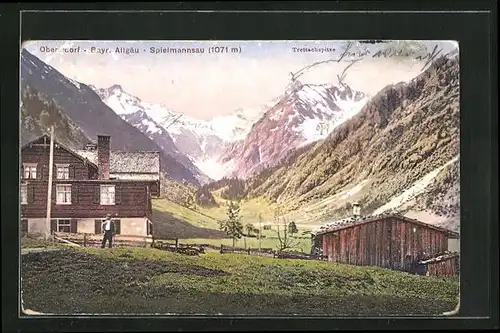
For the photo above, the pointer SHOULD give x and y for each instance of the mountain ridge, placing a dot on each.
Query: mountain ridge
(82, 105)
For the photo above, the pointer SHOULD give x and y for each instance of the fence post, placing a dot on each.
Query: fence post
(176, 243)
(85, 240)
(221, 248)
(145, 242)
(248, 250)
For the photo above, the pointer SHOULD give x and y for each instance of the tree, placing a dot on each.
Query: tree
(292, 228)
(285, 242)
(250, 228)
(188, 201)
(232, 226)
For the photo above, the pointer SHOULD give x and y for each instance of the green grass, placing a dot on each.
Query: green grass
(32, 242)
(303, 245)
(148, 280)
(207, 218)
(191, 216)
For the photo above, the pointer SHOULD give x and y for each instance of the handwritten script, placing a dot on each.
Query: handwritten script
(352, 54)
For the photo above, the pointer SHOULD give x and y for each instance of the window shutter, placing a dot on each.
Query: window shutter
(74, 193)
(54, 172)
(22, 171)
(74, 226)
(45, 171)
(38, 172)
(31, 193)
(53, 193)
(72, 172)
(24, 226)
(97, 194)
(97, 226)
(118, 194)
(53, 226)
(117, 227)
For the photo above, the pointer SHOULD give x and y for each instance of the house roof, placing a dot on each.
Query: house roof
(46, 136)
(121, 162)
(352, 222)
(134, 162)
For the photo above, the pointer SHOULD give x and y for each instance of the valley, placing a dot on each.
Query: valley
(309, 153)
(322, 174)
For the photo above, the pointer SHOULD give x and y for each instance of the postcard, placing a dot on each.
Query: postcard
(270, 178)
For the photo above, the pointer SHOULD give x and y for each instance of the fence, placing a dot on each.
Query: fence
(94, 240)
(173, 245)
(271, 253)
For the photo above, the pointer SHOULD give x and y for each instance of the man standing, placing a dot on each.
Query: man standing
(108, 227)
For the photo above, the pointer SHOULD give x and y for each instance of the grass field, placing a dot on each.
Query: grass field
(303, 245)
(144, 280)
(199, 226)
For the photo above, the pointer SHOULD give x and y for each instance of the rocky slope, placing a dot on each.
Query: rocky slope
(87, 112)
(398, 143)
(306, 113)
(161, 137)
(39, 112)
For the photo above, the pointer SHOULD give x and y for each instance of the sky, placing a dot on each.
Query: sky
(248, 74)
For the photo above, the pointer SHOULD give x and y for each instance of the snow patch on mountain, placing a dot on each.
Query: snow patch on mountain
(213, 169)
(418, 187)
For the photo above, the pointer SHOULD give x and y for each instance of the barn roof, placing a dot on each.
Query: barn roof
(133, 162)
(352, 222)
(439, 258)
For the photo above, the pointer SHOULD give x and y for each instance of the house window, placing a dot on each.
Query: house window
(62, 171)
(24, 194)
(29, 171)
(63, 194)
(107, 194)
(63, 225)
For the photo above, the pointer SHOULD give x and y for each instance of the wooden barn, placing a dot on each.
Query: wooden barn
(390, 241)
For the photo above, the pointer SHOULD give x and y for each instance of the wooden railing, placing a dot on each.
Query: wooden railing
(85, 239)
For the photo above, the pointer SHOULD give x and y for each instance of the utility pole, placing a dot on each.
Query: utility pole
(49, 190)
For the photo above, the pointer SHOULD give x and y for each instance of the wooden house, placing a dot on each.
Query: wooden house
(83, 192)
(390, 241)
(130, 165)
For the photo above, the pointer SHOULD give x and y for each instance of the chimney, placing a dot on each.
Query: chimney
(356, 210)
(103, 156)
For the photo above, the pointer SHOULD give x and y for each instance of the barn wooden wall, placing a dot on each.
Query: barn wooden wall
(384, 243)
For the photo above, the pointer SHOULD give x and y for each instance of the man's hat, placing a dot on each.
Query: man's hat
(108, 215)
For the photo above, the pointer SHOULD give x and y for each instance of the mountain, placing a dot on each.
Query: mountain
(306, 113)
(202, 141)
(39, 112)
(162, 138)
(87, 113)
(399, 153)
